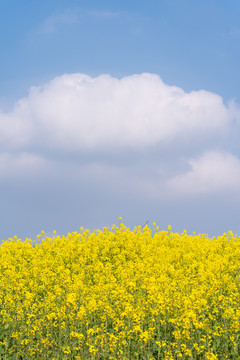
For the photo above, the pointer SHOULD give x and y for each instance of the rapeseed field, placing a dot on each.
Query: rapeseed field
(120, 294)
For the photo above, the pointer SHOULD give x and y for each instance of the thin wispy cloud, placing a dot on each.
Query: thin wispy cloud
(73, 16)
(51, 24)
(234, 32)
(105, 14)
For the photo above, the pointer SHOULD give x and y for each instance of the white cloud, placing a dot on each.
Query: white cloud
(212, 172)
(73, 125)
(76, 111)
(15, 127)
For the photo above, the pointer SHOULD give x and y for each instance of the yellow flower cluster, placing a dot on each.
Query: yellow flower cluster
(120, 294)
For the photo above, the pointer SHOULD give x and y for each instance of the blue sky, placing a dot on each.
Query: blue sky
(119, 108)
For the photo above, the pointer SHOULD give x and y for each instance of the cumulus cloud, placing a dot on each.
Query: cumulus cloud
(78, 121)
(76, 111)
(15, 127)
(211, 172)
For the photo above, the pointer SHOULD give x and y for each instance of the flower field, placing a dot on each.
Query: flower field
(120, 294)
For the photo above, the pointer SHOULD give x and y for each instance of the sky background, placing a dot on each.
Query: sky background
(119, 108)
